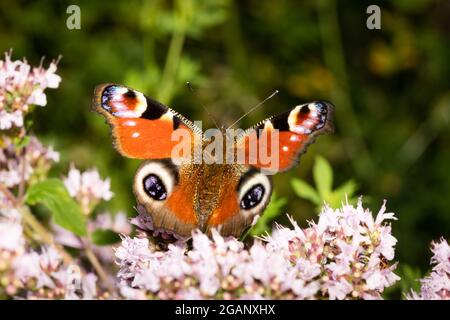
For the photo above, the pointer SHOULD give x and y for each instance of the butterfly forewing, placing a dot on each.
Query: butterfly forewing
(283, 138)
(141, 127)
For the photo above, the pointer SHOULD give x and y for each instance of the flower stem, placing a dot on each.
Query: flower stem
(334, 57)
(97, 266)
(169, 74)
(45, 236)
(31, 220)
(171, 66)
(23, 166)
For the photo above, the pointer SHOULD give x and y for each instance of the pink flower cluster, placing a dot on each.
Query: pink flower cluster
(346, 255)
(436, 286)
(37, 274)
(87, 188)
(33, 160)
(21, 86)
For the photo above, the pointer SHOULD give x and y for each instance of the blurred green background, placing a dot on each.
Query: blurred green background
(391, 88)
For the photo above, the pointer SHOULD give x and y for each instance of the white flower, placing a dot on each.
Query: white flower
(338, 289)
(116, 222)
(334, 259)
(87, 187)
(189, 294)
(92, 181)
(51, 154)
(441, 256)
(10, 119)
(66, 238)
(10, 177)
(387, 243)
(50, 78)
(37, 97)
(436, 286)
(49, 259)
(73, 181)
(37, 158)
(130, 293)
(382, 215)
(10, 213)
(11, 238)
(27, 266)
(20, 86)
(89, 286)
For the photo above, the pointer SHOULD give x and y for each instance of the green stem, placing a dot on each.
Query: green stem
(37, 227)
(97, 266)
(171, 66)
(42, 232)
(183, 13)
(23, 167)
(335, 61)
(235, 45)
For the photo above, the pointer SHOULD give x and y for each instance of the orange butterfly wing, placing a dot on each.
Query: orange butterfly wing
(277, 143)
(142, 128)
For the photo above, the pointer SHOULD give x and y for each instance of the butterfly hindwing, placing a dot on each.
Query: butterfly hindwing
(141, 127)
(295, 130)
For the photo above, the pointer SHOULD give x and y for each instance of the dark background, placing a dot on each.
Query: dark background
(391, 88)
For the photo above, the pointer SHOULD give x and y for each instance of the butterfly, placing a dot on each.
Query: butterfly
(181, 196)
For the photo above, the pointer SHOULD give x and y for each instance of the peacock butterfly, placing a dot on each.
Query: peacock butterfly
(185, 190)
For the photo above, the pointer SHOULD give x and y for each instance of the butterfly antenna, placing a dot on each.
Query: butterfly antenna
(254, 108)
(204, 108)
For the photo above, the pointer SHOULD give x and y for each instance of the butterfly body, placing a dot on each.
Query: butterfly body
(204, 184)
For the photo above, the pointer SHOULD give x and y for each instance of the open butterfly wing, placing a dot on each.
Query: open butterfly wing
(277, 143)
(141, 127)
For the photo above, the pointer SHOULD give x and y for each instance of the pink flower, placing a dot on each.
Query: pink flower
(66, 238)
(116, 222)
(20, 86)
(130, 293)
(89, 286)
(37, 97)
(49, 259)
(10, 119)
(337, 258)
(50, 79)
(441, 256)
(27, 266)
(37, 159)
(339, 289)
(11, 238)
(436, 286)
(87, 187)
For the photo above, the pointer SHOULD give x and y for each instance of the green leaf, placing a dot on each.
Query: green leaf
(53, 195)
(348, 188)
(272, 211)
(409, 278)
(304, 190)
(323, 176)
(104, 237)
(22, 142)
